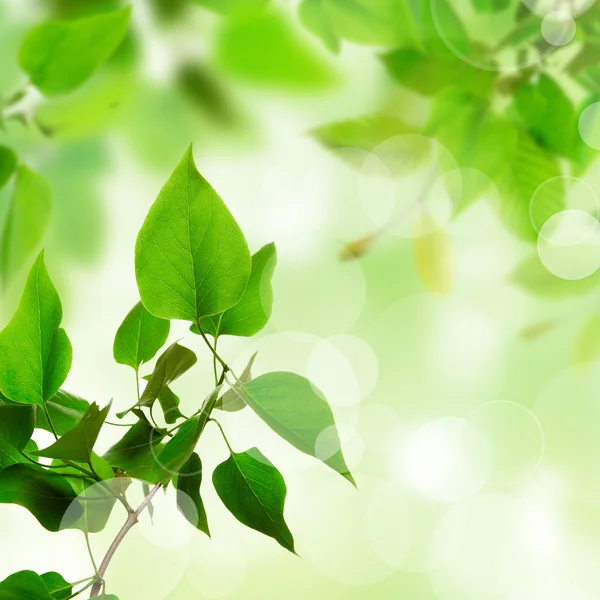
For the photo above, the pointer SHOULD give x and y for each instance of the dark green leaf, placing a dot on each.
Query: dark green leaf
(58, 587)
(25, 585)
(231, 400)
(65, 411)
(135, 449)
(169, 403)
(47, 496)
(26, 222)
(16, 424)
(191, 257)
(8, 164)
(35, 354)
(254, 309)
(296, 410)
(189, 500)
(59, 56)
(140, 337)
(254, 492)
(77, 443)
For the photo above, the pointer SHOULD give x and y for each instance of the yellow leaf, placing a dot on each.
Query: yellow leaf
(359, 247)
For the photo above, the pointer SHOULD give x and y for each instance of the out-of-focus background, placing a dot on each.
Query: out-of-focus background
(428, 173)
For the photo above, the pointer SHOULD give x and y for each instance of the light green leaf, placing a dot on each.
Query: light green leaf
(139, 337)
(189, 501)
(77, 443)
(25, 585)
(254, 309)
(8, 164)
(172, 363)
(587, 344)
(47, 496)
(231, 400)
(191, 258)
(59, 56)
(35, 354)
(296, 410)
(314, 17)
(136, 448)
(233, 7)
(27, 220)
(65, 411)
(58, 587)
(254, 492)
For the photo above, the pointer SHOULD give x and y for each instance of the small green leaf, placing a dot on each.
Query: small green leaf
(172, 363)
(231, 400)
(189, 500)
(59, 56)
(77, 443)
(140, 337)
(65, 411)
(254, 491)
(26, 585)
(35, 354)
(191, 258)
(169, 403)
(58, 587)
(26, 222)
(297, 411)
(135, 449)
(8, 164)
(254, 309)
(47, 496)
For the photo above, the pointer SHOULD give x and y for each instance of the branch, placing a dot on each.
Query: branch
(132, 520)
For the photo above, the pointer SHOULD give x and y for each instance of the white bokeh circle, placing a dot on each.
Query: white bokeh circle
(589, 125)
(558, 28)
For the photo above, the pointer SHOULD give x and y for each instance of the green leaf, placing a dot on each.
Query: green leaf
(490, 6)
(35, 354)
(189, 500)
(26, 222)
(59, 56)
(254, 492)
(314, 17)
(530, 167)
(191, 258)
(297, 411)
(172, 363)
(77, 443)
(47, 496)
(25, 585)
(232, 400)
(233, 7)
(65, 411)
(254, 309)
(135, 449)
(16, 424)
(58, 587)
(169, 403)
(8, 164)
(139, 337)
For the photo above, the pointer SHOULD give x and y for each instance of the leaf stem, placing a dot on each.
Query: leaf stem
(91, 554)
(132, 520)
(223, 434)
(212, 349)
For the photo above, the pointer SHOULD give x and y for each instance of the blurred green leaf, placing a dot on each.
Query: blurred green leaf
(297, 411)
(233, 7)
(263, 48)
(139, 337)
(8, 164)
(34, 351)
(191, 257)
(135, 449)
(65, 411)
(47, 496)
(77, 443)
(60, 55)
(314, 16)
(189, 501)
(232, 400)
(490, 6)
(253, 311)
(26, 222)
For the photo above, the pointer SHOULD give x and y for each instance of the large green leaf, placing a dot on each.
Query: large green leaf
(189, 500)
(27, 220)
(58, 587)
(35, 353)
(296, 410)
(27, 585)
(65, 411)
(11, 455)
(135, 449)
(77, 443)
(191, 258)
(47, 496)
(254, 492)
(8, 164)
(253, 311)
(139, 337)
(59, 56)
